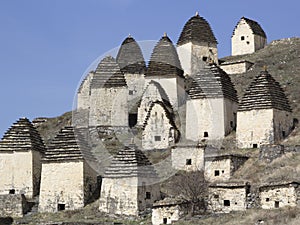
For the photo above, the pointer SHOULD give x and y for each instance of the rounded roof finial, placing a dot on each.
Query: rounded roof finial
(165, 34)
(197, 13)
(129, 35)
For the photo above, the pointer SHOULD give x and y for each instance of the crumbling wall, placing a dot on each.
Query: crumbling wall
(13, 205)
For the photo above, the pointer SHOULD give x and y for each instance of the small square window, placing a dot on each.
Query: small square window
(276, 204)
(226, 203)
(217, 173)
(157, 138)
(188, 162)
(242, 38)
(216, 196)
(267, 199)
(223, 171)
(12, 191)
(255, 146)
(148, 195)
(248, 43)
(205, 134)
(61, 207)
(131, 92)
(204, 58)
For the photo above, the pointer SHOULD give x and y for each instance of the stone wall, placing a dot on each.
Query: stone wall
(90, 182)
(17, 173)
(158, 132)
(13, 205)
(109, 107)
(83, 95)
(188, 158)
(192, 56)
(225, 199)
(278, 196)
(236, 67)
(168, 214)
(62, 183)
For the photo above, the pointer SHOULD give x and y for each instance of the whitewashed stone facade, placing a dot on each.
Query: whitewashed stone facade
(21, 149)
(168, 211)
(196, 45)
(188, 157)
(279, 195)
(264, 115)
(67, 181)
(221, 168)
(159, 129)
(130, 184)
(84, 92)
(225, 198)
(248, 37)
(236, 67)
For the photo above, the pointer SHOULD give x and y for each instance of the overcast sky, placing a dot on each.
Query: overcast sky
(47, 45)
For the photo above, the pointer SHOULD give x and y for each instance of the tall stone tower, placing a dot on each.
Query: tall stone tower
(165, 68)
(264, 114)
(196, 45)
(68, 181)
(109, 94)
(212, 105)
(130, 183)
(132, 64)
(248, 37)
(21, 149)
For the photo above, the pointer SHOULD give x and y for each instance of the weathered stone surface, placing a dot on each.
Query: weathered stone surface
(236, 67)
(248, 37)
(189, 157)
(279, 195)
(13, 205)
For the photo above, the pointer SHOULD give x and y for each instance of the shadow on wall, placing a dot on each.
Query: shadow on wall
(6, 220)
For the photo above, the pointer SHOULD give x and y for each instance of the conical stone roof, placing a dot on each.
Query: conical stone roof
(264, 92)
(197, 30)
(212, 82)
(130, 162)
(67, 146)
(22, 136)
(164, 60)
(254, 26)
(130, 57)
(108, 74)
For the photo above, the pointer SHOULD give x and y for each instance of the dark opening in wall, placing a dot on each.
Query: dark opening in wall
(254, 145)
(216, 196)
(165, 220)
(283, 134)
(267, 199)
(132, 120)
(248, 43)
(226, 203)
(12, 191)
(205, 134)
(276, 204)
(131, 92)
(204, 58)
(188, 162)
(217, 173)
(242, 38)
(148, 195)
(157, 138)
(61, 207)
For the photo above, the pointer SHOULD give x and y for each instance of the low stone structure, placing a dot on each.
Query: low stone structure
(21, 149)
(188, 157)
(236, 67)
(227, 197)
(130, 184)
(222, 167)
(271, 152)
(168, 211)
(68, 181)
(13, 205)
(277, 195)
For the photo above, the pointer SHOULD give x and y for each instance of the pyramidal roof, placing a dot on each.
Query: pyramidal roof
(197, 30)
(212, 82)
(264, 92)
(130, 162)
(130, 57)
(164, 60)
(67, 146)
(22, 136)
(108, 74)
(254, 26)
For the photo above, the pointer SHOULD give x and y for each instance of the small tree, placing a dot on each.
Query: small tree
(192, 187)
